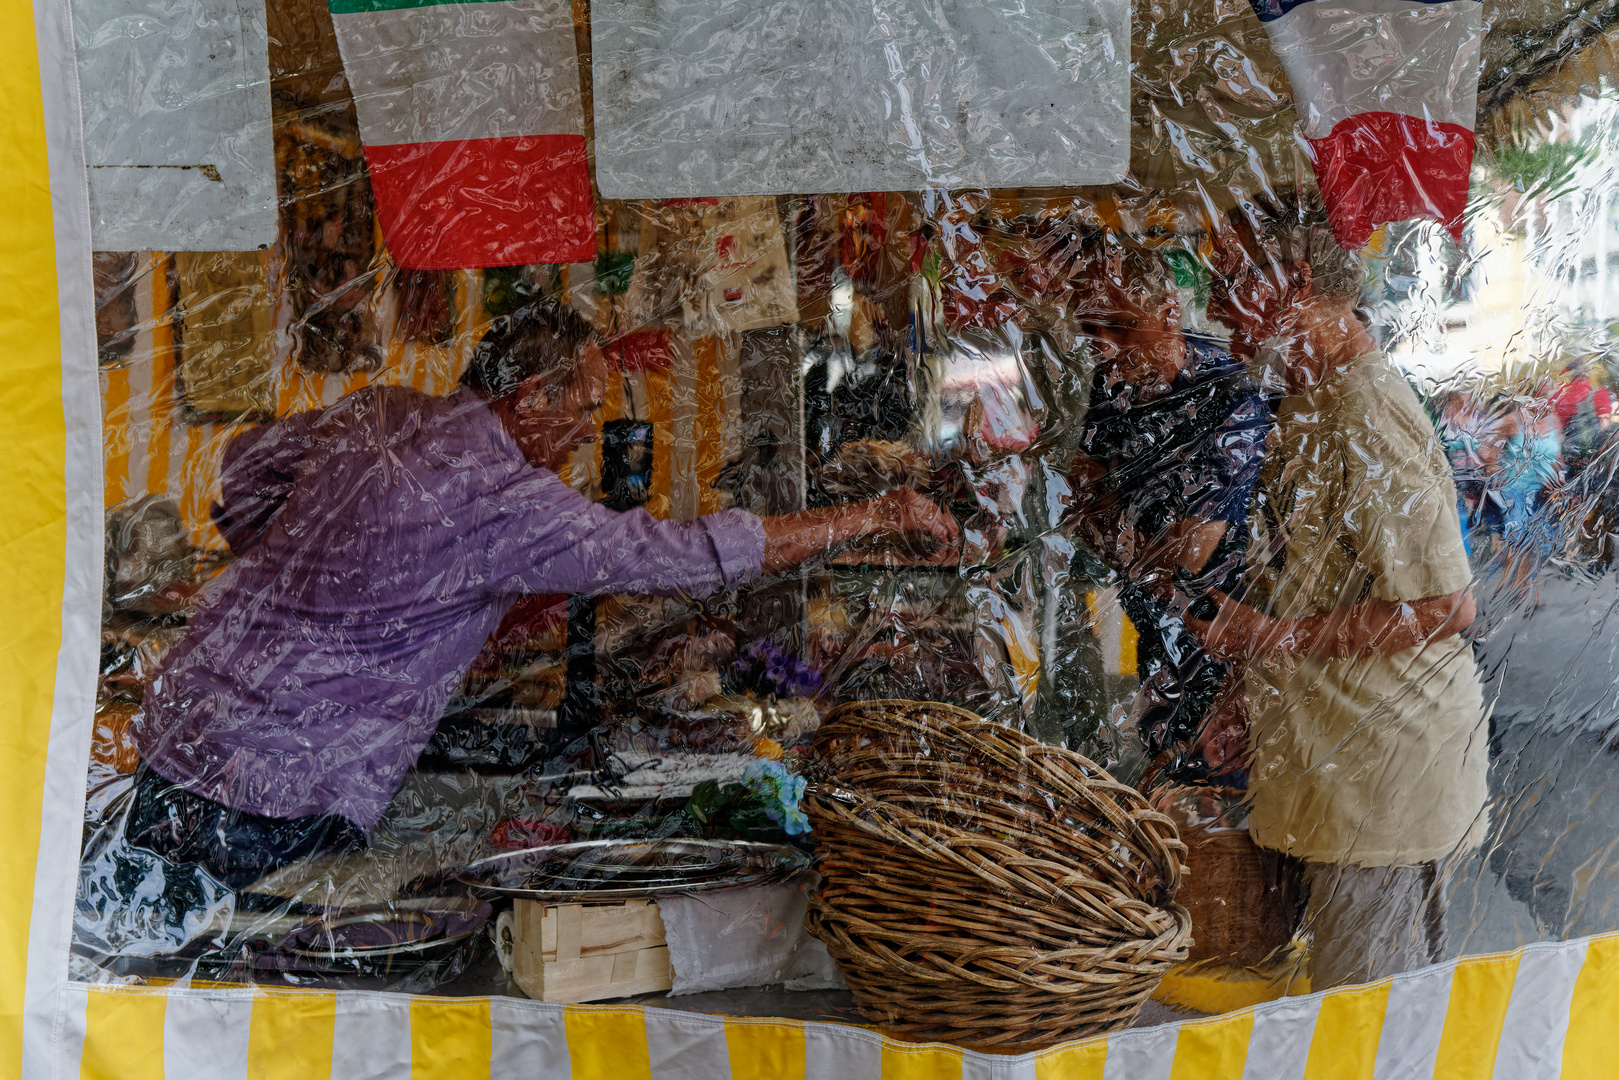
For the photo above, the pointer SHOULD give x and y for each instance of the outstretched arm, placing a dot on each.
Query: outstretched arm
(555, 540)
(902, 517)
(1371, 627)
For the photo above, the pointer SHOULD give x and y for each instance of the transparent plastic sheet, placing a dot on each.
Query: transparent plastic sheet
(438, 585)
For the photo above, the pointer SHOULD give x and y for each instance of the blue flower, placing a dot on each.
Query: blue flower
(780, 792)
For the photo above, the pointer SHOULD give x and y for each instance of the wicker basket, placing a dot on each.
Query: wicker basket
(982, 888)
(1243, 900)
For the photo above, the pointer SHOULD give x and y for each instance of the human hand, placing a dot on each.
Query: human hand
(902, 518)
(906, 516)
(1224, 738)
(1085, 471)
(1238, 631)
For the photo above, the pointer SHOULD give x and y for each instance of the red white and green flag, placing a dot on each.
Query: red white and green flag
(473, 127)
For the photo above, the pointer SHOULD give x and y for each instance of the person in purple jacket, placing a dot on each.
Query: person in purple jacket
(378, 542)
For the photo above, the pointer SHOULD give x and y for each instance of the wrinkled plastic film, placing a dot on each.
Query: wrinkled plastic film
(479, 545)
(722, 98)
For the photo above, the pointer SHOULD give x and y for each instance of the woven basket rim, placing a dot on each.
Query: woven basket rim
(1056, 925)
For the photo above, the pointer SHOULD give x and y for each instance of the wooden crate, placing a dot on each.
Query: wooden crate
(585, 952)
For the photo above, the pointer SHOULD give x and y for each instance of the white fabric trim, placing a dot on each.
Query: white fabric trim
(371, 1037)
(206, 1035)
(839, 1053)
(1279, 1046)
(67, 1037)
(1532, 1032)
(1412, 1025)
(73, 702)
(221, 1024)
(463, 71)
(686, 1046)
(1148, 1054)
(528, 1042)
(1392, 56)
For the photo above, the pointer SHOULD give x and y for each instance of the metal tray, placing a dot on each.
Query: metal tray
(599, 870)
(421, 911)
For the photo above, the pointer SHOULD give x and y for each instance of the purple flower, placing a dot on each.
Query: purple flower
(766, 668)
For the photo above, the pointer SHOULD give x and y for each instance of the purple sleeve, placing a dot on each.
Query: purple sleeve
(565, 543)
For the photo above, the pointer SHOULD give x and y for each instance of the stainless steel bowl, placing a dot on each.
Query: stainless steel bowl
(630, 869)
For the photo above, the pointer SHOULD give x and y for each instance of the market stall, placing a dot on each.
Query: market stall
(867, 539)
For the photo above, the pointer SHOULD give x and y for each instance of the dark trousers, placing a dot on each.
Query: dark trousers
(234, 847)
(1369, 922)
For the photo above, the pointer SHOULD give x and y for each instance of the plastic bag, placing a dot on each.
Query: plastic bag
(480, 504)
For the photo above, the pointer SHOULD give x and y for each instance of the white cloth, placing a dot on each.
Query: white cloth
(752, 936)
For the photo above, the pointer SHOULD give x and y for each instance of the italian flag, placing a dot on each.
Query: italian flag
(1387, 96)
(473, 128)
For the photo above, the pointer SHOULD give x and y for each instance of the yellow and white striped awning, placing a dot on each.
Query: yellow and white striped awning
(1543, 1012)
(1546, 1011)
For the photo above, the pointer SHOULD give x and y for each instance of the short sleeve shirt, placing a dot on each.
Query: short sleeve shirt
(1377, 760)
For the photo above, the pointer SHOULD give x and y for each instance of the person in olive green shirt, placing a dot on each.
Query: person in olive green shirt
(1365, 711)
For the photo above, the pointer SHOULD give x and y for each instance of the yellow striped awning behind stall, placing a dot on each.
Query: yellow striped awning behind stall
(1543, 1012)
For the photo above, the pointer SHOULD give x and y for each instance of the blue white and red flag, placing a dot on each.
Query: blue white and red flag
(1387, 93)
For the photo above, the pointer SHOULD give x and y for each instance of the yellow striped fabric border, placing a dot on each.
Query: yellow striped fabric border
(1543, 1012)
(151, 448)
